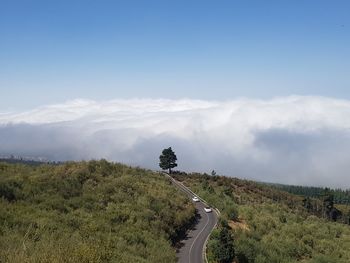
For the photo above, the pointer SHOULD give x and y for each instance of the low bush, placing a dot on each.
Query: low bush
(89, 212)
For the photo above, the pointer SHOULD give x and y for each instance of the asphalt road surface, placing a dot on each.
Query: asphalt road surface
(191, 249)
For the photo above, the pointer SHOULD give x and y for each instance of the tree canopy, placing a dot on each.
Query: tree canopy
(167, 160)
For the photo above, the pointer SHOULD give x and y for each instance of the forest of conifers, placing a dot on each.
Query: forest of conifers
(340, 196)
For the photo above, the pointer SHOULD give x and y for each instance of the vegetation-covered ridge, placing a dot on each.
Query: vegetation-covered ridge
(89, 212)
(340, 196)
(268, 225)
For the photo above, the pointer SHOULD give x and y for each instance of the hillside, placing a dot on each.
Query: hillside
(269, 225)
(104, 212)
(89, 212)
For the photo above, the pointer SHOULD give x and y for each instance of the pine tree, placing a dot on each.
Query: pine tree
(167, 159)
(328, 204)
(224, 252)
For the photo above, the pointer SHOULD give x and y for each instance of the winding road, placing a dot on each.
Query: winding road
(192, 248)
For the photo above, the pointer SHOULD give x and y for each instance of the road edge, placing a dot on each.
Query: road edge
(217, 212)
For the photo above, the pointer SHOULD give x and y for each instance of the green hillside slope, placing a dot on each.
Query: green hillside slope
(89, 212)
(269, 225)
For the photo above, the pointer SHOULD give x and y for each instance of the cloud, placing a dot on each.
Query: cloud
(298, 140)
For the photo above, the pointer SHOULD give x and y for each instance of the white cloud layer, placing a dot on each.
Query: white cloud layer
(297, 140)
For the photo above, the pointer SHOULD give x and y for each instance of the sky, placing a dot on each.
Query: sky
(254, 89)
(54, 51)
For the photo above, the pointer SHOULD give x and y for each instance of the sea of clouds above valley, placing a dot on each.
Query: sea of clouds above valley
(296, 140)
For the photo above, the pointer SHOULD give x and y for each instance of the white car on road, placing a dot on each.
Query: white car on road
(207, 209)
(195, 199)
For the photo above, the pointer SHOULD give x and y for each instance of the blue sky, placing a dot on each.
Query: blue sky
(53, 51)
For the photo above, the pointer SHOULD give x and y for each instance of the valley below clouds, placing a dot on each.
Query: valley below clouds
(294, 140)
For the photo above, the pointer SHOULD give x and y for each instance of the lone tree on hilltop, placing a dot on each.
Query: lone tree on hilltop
(167, 159)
